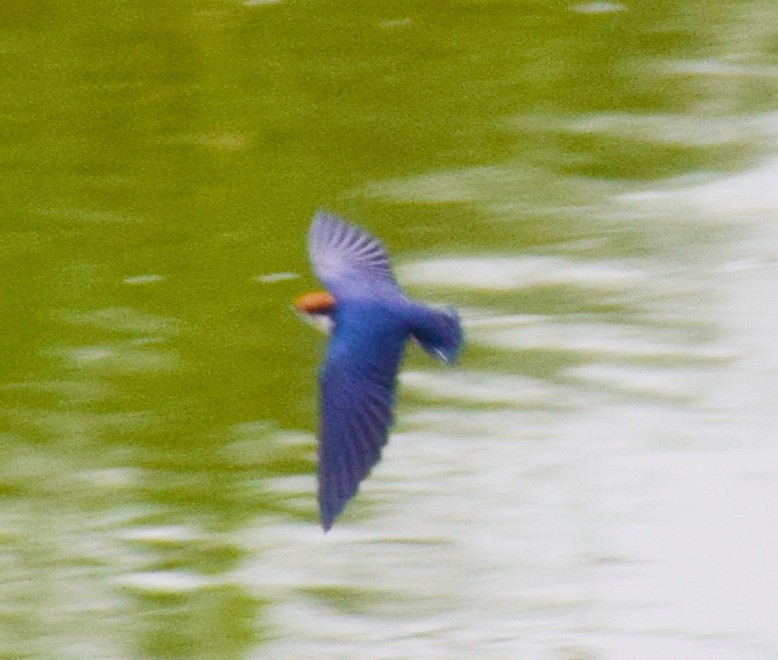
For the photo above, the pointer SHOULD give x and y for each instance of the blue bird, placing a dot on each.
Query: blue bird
(370, 320)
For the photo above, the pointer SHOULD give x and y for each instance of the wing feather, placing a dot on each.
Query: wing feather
(356, 392)
(347, 259)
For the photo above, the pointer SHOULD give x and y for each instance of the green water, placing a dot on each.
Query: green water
(561, 172)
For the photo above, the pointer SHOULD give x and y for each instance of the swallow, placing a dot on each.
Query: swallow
(370, 320)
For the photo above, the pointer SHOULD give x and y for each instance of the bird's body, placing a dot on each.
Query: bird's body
(371, 320)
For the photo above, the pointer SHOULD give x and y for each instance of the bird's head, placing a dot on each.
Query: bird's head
(316, 308)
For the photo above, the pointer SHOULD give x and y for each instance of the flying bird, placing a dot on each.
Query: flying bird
(370, 321)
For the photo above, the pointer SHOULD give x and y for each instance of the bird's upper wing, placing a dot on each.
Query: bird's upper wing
(346, 258)
(356, 394)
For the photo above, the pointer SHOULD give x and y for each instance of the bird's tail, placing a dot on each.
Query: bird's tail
(438, 332)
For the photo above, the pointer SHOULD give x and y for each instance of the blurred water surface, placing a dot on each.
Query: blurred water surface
(591, 184)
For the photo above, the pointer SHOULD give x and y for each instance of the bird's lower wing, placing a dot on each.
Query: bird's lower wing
(355, 402)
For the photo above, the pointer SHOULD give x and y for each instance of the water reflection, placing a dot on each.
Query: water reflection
(584, 509)
(591, 184)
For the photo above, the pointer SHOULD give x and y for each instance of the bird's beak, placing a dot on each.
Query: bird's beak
(317, 309)
(316, 302)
